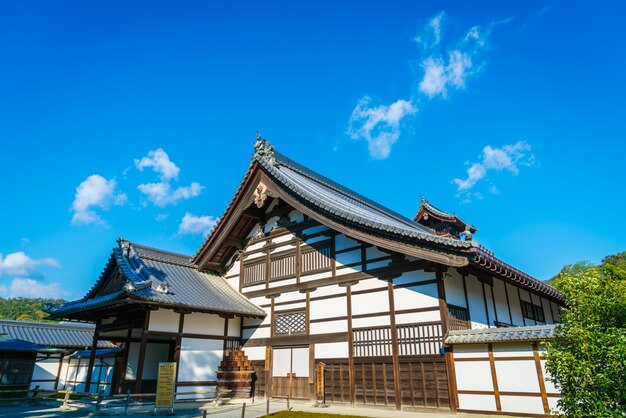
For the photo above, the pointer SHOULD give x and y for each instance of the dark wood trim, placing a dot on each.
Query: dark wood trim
(179, 344)
(350, 346)
(469, 311)
(363, 257)
(307, 313)
(333, 255)
(376, 314)
(493, 301)
(92, 356)
(225, 336)
(298, 261)
(485, 300)
(508, 304)
(174, 335)
(56, 381)
(519, 295)
(454, 398)
(542, 383)
(494, 378)
(142, 352)
(345, 278)
(297, 339)
(199, 383)
(272, 317)
(394, 348)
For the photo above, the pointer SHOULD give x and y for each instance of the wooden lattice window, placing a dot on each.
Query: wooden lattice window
(293, 322)
(413, 340)
(458, 318)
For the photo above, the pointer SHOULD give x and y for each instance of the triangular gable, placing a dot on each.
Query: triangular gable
(275, 176)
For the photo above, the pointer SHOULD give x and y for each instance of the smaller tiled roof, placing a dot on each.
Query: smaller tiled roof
(56, 334)
(12, 344)
(165, 278)
(494, 335)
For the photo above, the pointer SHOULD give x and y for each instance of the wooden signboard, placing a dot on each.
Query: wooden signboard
(166, 385)
(268, 358)
(319, 387)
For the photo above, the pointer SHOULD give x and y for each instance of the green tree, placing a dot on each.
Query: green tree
(587, 358)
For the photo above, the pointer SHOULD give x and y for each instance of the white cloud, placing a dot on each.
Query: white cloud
(508, 158)
(160, 163)
(451, 70)
(162, 193)
(20, 264)
(378, 125)
(191, 224)
(29, 288)
(95, 192)
(445, 66)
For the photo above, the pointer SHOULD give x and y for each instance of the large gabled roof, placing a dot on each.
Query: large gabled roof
(337, 206)
(67, 335)
(329, 202)
(162, 278)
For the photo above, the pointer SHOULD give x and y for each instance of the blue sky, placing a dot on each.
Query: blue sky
(137, 119)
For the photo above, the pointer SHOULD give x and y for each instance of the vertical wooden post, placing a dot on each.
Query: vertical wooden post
(394, 347)
(542, 383)
(333, 263)
(142, 352)
(179, 344)
(494, 377)
(508, 304)
(56, 382)
(443, 309)
(225, 337)
(350, 346)
(486, 307)
(92, 356)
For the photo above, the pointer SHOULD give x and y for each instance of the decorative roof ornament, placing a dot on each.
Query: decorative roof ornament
(264, 150)
(467, 234)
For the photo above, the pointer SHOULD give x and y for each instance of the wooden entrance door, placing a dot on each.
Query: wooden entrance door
(290, 372)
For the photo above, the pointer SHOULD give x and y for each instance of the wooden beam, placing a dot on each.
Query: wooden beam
(494, 378)
(350, 346)
(92, 357)
(142, 353)
(542, 383)
(394, 348)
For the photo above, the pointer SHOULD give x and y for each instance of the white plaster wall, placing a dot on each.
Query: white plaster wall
(453, 284)
(315, 229)
(369, 284)
(287, 297)
(370, 302)
(501, 302)
(155, 354)
(415, 297)
(131, 365)
(234, 325)
(164, 320)
(342, 242)
(45, 369)
(255, 353)
(490, 307)
(280, 283)
(522, 404)
(517, 376)
(476, 302)
(328, 327)
(206, 324)
(415, 276)
(516, 310)
(374, 321)
(477, 402)
(316, 276)
(328, 308)
(331, 350)
(522, 349)
(250, 333)
(470, 351)
(418, 317)
(199, 359)
(474, 375)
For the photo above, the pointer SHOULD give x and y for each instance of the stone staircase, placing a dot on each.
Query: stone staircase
(235, 374)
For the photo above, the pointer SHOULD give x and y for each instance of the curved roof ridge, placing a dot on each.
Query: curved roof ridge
(315, 176)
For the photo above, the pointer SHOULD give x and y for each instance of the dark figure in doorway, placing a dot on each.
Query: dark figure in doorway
(253, 385)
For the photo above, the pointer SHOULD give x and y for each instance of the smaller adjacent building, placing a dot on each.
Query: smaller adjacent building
(502, 370)
(51, 355)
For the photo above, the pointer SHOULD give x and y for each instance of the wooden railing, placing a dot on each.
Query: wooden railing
(458, 318)
(413, 340)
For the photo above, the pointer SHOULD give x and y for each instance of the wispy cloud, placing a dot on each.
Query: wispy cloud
(191, 224)
(379, 125)
(20, 264)
(162, 193)
(507, 158)
(95, 192)
(29, 288)
(444, 67)
(24, 274)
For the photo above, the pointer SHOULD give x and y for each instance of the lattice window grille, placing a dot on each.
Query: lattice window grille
(290, 323)
(316, 259)
(253, 273)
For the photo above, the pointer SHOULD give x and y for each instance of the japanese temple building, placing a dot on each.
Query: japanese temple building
(300, 271)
